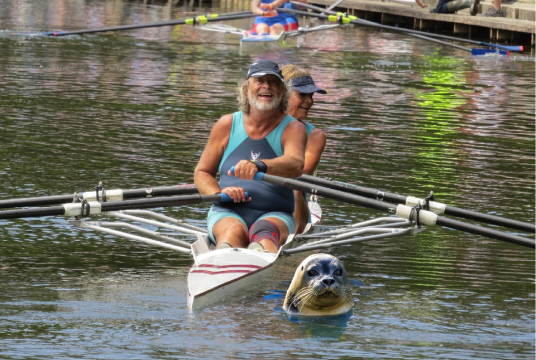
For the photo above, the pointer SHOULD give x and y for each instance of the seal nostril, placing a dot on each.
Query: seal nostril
(328, 281)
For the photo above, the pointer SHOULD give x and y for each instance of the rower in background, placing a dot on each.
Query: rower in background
(301, 101)
(259, 137)
(271, 22)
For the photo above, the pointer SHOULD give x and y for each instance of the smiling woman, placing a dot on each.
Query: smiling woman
(301, 101)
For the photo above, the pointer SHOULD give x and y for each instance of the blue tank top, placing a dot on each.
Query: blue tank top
(293, 7)
(266, 197)
(309, 128)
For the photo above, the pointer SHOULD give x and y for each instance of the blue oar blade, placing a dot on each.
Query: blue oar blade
(484, 52)
(502, 47)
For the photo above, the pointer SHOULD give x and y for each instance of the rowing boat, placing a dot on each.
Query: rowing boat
(217, 274)
(222, 274)
(249, 41)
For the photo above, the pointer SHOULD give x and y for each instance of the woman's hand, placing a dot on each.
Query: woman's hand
(237, 194)
(244, 169)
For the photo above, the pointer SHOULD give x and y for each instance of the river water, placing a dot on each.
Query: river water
(134, 109)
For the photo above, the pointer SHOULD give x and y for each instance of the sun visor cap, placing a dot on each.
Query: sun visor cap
(305, 85)
(264, 67)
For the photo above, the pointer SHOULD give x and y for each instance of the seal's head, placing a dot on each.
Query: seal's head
(320, 287)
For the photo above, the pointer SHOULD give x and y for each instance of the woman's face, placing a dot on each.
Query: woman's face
(299, 104)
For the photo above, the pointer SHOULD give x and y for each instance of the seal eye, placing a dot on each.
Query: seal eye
(337, 272)
(312, 272)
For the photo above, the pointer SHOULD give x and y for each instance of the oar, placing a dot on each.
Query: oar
(103, 195)
(334, 5)
(87, 208)
(350, 19)
(417, 32)
(403, 211)
(433, 206)
(202, 19)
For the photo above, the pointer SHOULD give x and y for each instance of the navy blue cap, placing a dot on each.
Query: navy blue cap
(264, 67)
(305, 85)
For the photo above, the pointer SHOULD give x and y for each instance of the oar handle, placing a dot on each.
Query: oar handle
(258, 176)
(226, 198)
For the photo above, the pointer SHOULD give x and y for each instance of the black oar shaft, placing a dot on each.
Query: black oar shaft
(160, 191)
(479, 230)
(392, 209)
(235, 16)
(112, 206)
(415, 33)
(401, 199)
(356, 189)
(36, 201)
(158, 202)
(439, 42)
(490, 219)
(127, 194)
(35, 212)
(330, 193)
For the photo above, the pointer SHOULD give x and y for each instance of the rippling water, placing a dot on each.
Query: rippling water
(134, 109)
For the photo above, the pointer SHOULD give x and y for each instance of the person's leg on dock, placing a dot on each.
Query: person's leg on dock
(453, 6)
(496, 10)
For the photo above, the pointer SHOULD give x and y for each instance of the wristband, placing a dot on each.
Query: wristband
(261, 167)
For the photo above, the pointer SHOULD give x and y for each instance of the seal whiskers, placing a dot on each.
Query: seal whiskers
(320, 287)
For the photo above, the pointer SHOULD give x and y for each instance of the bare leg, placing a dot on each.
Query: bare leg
(276, 29)
(497, 4)
(283, 235)
(301, 212)
(232, 231)
(262, 29)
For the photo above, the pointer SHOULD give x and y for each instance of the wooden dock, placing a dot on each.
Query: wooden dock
(518, 26)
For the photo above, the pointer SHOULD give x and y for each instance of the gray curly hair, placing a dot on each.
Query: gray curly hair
(243, 102)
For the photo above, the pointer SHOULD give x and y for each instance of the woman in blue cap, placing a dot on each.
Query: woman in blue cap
(300, 102)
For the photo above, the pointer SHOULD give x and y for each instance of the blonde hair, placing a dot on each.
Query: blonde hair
(291, 71)
(243, 102)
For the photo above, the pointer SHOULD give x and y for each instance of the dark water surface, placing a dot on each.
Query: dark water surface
(134, 109)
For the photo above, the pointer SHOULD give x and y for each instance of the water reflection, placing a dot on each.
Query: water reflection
(134, 109)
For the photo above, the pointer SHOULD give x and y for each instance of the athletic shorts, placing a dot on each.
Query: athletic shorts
(215, 216)
(270, 21)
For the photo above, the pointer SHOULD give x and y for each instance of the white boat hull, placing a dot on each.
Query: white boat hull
(224, 273)
(215, 275)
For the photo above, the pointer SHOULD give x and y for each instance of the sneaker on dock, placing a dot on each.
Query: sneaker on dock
(473, 10)
(494, 13)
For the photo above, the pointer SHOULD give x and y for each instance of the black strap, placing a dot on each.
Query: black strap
(84, 208)
(261, 167)
(427, 200)
(414, 215)
(100, 187)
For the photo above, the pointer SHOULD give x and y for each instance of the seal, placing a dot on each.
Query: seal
(320, 287)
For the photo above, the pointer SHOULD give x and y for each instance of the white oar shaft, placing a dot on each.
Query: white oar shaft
(155, 223)
(135, 237)
(145, 232)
